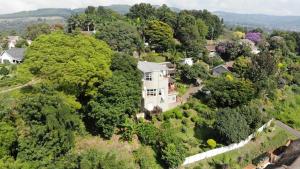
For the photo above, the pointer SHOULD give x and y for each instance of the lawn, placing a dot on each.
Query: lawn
(237, 159)
(287, 109)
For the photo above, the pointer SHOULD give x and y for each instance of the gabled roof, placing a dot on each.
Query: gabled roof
(211, 48)
(220, 69)
(150, 67)
(16, 53)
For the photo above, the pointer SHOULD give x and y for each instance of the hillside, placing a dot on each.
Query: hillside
(270, 22)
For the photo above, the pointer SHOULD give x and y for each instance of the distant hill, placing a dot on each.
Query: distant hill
(291, 23)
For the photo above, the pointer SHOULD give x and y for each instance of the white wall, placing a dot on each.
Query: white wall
(221, 150)
(6, 56)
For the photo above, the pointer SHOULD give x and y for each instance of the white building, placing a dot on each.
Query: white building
(187, 61)
(13, 56)
(158, 89)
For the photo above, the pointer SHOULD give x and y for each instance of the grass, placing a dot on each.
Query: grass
(181, 88)
(122, 150)
(240, 158)
(287, 109)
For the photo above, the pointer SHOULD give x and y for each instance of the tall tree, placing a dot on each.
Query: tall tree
(33, 31)
(159, 35)
(74, 64)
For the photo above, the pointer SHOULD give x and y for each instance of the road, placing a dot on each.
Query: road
(287, 128)
(32, 82)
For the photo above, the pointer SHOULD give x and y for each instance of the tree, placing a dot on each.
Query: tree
(238, 35)
(241, 65)
(142, 11)
(148, 134)
(211, 143)
(231, 50)
(118, 96)
(231, 126)
(166, 15)
(52, 120)
(74, 64)
(191, 33)
(254, 37)
(190, 74)
(121, 36)
(22, 43)
(159, 35)
(4, 71)
(225, 92)
(35, 30)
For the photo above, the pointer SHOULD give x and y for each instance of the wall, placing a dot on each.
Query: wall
(221, 150)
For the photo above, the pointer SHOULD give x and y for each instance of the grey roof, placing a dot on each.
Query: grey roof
(150, 66)
(16, 53)
(220, 70)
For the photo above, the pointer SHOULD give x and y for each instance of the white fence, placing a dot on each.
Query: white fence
(221, 150)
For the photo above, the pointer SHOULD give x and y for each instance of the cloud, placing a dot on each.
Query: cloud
(275, 7)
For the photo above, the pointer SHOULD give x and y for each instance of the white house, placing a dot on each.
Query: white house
(187, 61)
(158, 88)
(13, 55)
(12, 41)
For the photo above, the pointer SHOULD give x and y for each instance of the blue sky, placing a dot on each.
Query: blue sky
(274, 7)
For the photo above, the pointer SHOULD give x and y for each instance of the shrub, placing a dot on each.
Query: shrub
(184, 121)
(160, 117)
(184, 129)
(173, 155)
(147, 133)
(211, 143)
(194, 119)
(186, 106)
(178, 114)
(168, 115)
(187, 114)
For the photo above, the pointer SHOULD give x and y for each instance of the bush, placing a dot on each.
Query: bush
(186, 106)
(211, 143)
(178, 114)
(160, 117)
(147, 133)
(185, 121)
(173, 155)
(187, 114)
(168, 115)
(184, 129)
(194, 119)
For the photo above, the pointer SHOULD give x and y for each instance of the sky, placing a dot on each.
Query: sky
(272, 7)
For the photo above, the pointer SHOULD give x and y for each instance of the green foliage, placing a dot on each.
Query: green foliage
(121, 36)
(8, 137)
(241, 65)
(190, 33)
(166, 15)
(159, 35)
(148, 134)
(142, 11)
(190, 74)
(178, 114)
(35, 30)
(93, 159)
(229, 93)
(117, 97)
(211, 143)
(231, 126)
(4, 71)
(153, 57)
(75, 64)
(52, 122)
(173, 155)
(145, 157)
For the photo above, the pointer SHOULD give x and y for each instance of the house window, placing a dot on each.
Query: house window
(148, 76)
(151, 92)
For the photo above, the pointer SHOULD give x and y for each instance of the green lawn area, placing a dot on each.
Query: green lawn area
(240, 158)
(181, 88)
(287, 109)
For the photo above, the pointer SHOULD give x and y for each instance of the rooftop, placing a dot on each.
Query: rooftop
(150, 66)
(16, 53)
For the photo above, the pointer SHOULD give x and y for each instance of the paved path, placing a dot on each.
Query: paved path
(296, 133)
(32, 82)
(192, 90)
